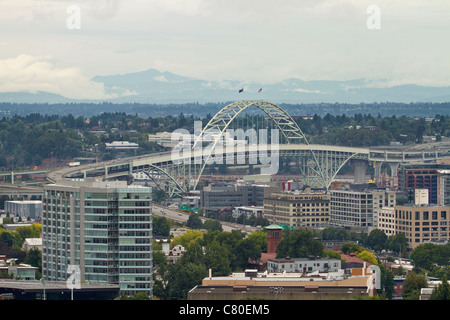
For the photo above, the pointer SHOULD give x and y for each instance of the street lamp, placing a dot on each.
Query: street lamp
(43, 284)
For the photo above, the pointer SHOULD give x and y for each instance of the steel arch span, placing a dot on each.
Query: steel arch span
(284, 122)
(215, 130)
(178, 172)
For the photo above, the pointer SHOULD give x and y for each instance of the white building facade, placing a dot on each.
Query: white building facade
(303, 265)
(102, 228)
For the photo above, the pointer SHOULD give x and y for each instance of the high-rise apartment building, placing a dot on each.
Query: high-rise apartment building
(103, 228)
(298, 209)
(359, 208)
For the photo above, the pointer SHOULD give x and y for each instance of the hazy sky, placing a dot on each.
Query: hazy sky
(249, 40)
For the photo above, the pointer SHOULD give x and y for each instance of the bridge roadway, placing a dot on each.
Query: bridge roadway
(118, 167)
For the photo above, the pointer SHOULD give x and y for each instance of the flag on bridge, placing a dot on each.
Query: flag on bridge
(259, 90)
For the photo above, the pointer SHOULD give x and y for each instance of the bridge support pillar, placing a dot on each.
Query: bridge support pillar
(359, 171)
(377, 173)
(394, 168)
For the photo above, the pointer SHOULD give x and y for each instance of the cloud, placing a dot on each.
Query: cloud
(307, 91)
(251, 40)
(27, 73)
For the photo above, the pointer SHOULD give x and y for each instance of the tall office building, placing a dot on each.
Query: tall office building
(103, 228)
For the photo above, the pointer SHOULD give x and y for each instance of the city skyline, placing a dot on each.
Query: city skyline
(44, 49)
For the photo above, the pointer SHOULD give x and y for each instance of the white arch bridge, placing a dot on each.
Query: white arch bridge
(179, 171)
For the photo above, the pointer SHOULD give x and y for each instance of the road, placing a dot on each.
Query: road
(182, 217)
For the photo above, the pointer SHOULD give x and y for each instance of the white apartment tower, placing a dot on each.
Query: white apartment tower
(103, 228)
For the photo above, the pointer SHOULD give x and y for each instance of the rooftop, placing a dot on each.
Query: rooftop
(274, 227)
(96, 183)
(287, 279)
(25, 201)
(287, 259)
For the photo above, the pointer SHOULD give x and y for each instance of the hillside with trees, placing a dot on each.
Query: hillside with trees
(49, 140)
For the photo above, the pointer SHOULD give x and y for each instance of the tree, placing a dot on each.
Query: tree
(33, 231)
(136, 296)
(377, 240)
(388, 283)
(187, 238)
(141, 296)
(351, 247)
(334, 234)
(413, 284)
(367, 256)
(194, 222)
(259, 238)
(299, 244)
(159, 257)
(161, 226)
(162, 275)
(398, 243)
(194, 253)
(230, 239)
(212, 225)
(34, 258)
(425, 256)
(7, 237)
(331, 254)
(185, 276)
(217, 259)
(245, 250)
(173, 281)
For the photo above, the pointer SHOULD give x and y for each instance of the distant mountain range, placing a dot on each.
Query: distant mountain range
(153, 86)
(164, 87)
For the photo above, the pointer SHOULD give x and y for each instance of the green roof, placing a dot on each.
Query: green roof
(274, 226)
